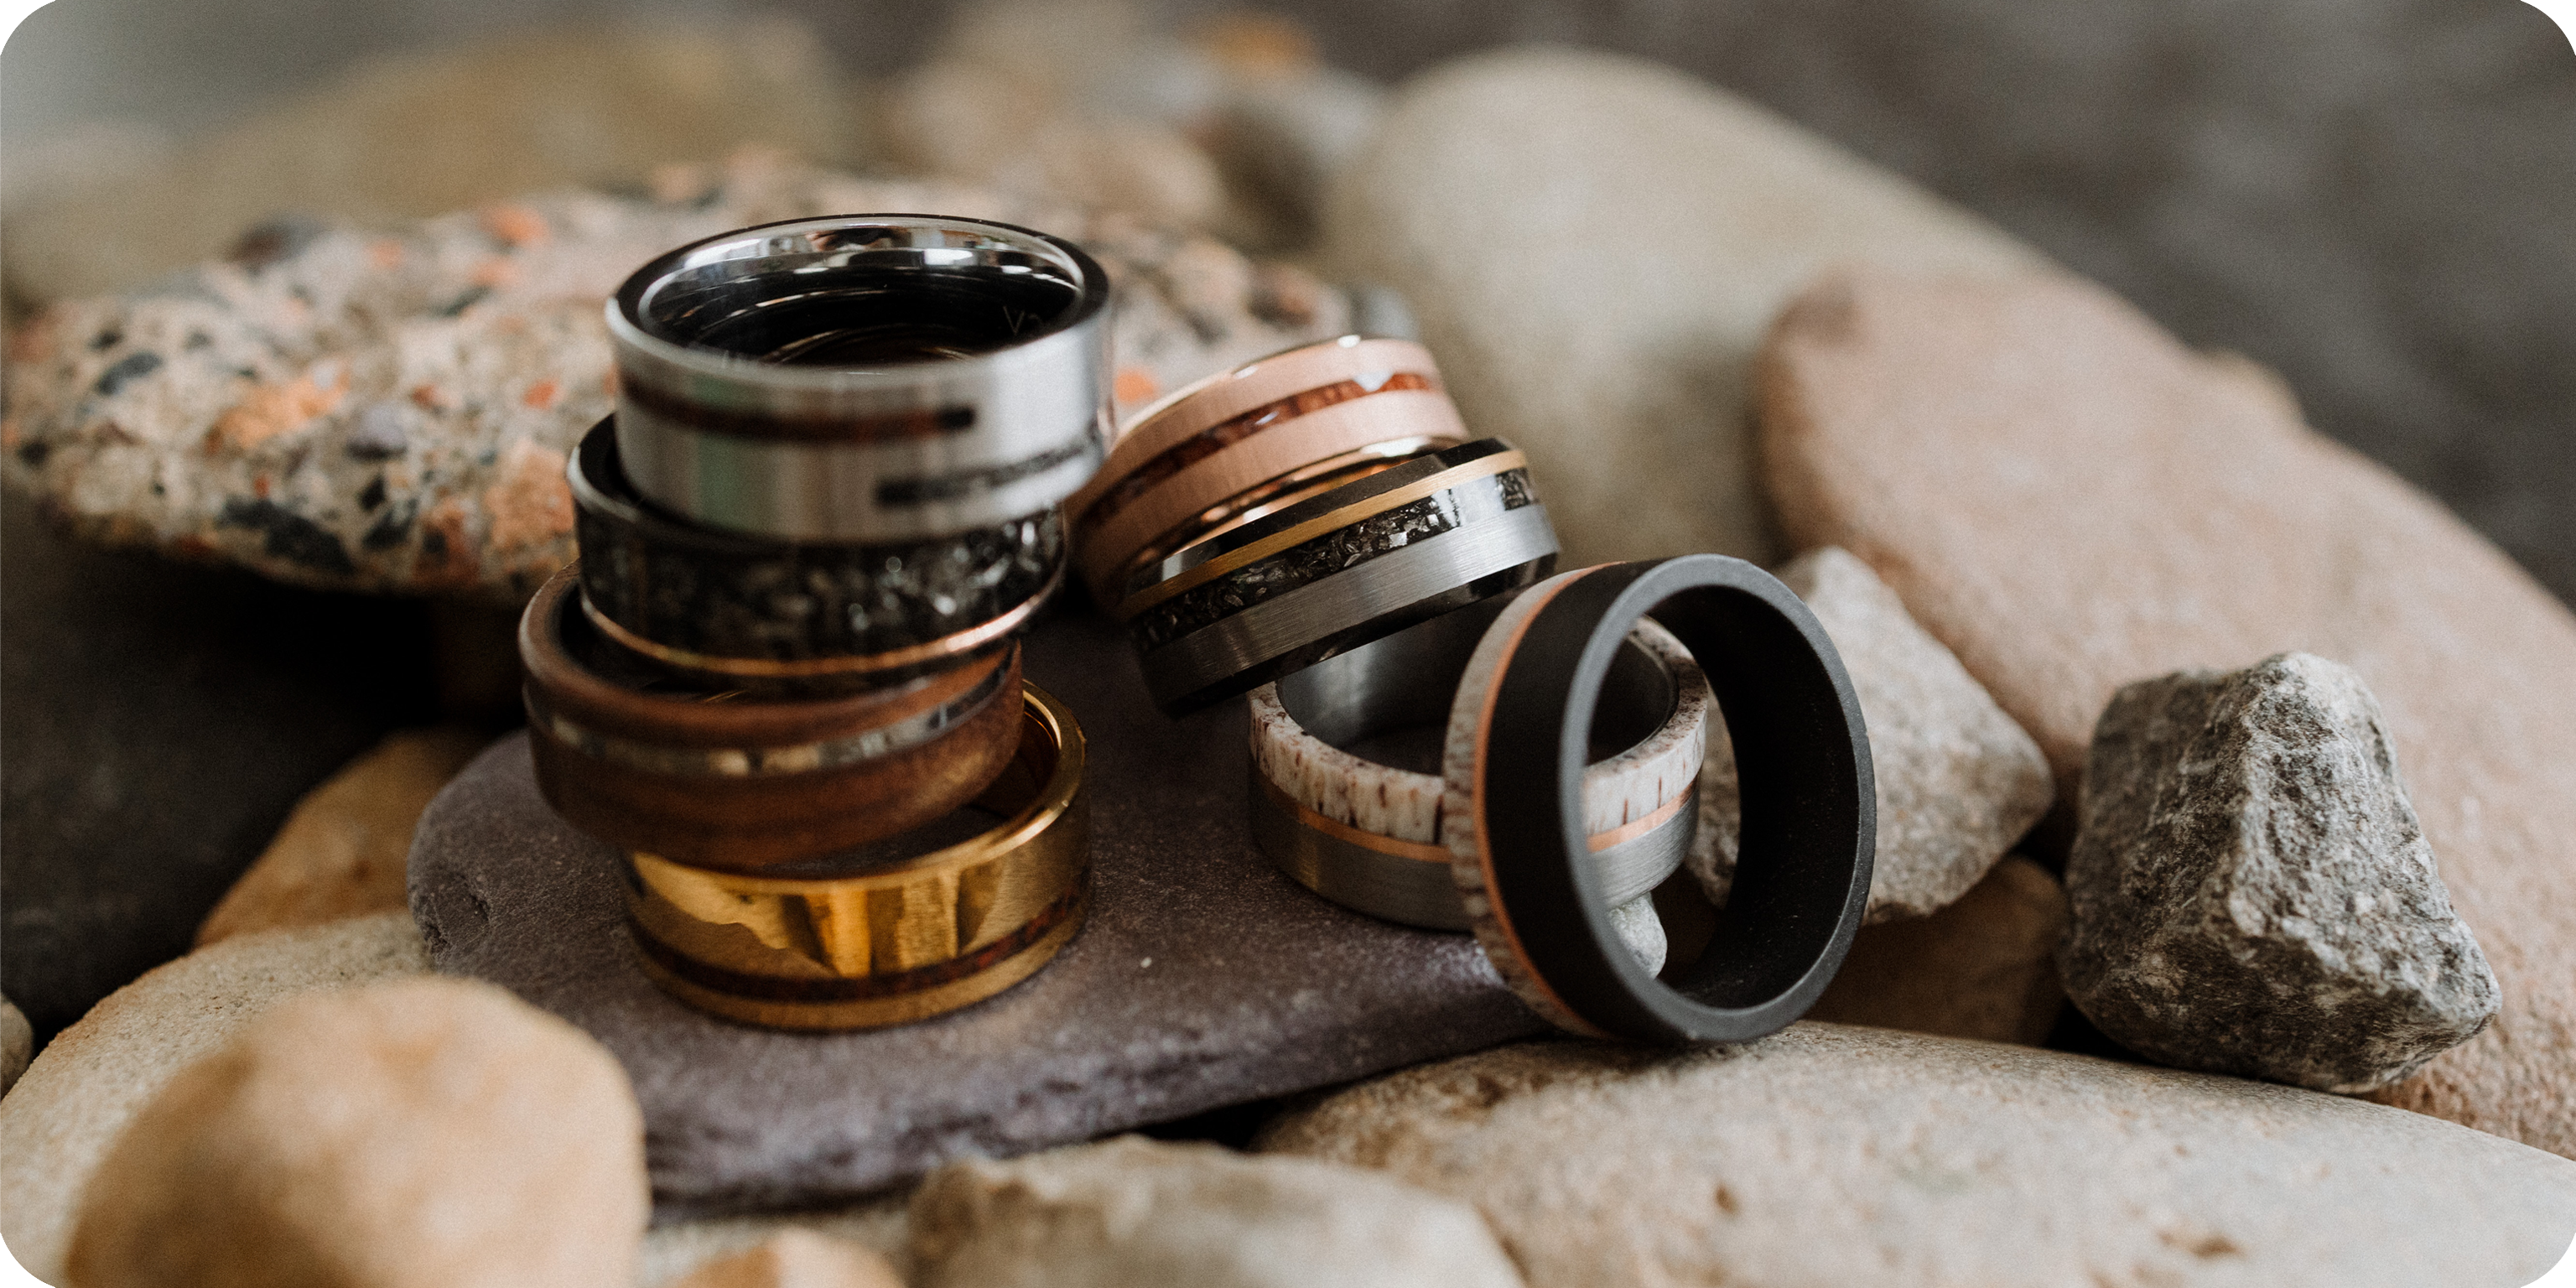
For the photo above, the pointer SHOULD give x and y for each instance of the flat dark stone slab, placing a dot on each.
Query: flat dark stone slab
(1203, 979)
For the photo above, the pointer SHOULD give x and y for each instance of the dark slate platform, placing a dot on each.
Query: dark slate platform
(1203, 979)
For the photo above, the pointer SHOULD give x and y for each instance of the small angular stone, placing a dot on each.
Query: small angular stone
(1958, 782)
(2251, 892)
(1135, 1213)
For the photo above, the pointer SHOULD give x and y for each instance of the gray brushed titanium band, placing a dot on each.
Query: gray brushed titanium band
(1277, 635)
(1420, 892)
(863, 378)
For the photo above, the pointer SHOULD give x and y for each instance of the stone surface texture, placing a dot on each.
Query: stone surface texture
(1593, 245)
(342, 851)
(1146, 1214)
(2251, 891)
(1958, 782)
(389, 409)
(1204, 977)
(412, 1132)
(585, 105)
(798, 1259)
(1832, 1155)
(677, 1249)
(1983, 967)
(1965, 437)
(95, 1077)
(17, 1044)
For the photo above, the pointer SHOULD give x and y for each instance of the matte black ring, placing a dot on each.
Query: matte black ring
(1516, 755)
(796, 617)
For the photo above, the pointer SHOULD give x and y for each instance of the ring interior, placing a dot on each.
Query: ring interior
(862, 294)
(1388, 702)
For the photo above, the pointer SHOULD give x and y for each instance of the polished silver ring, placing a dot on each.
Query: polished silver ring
(1345, 800)
(1283, 590)
(863, 378)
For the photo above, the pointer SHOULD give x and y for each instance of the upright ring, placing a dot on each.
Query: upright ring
(891, 943)
(863, 378)
(789, 617)
(1514, 764)
(1254, 437)
(1370, 835)
(1357, 563)
(718, 780)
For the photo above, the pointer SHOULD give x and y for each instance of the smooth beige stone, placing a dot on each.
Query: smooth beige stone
(17, 1044)
(683, 1248)
(1983, 967)
(1594, 245)
(341, 852)
(1827, 1155)
(93, 1078)
(796, 1258)
(1135, 1213)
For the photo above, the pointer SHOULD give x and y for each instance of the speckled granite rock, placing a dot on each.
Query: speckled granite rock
(1831, 1155)
(598, 103)
(414, 1133)
(1958, 782)
(2251, 891)
(1152, 1215)
(1204, 977)
(1664, 222)
(1965, 438)
(1982, 967)
(92, 1079)
(390, 411)
(341, 852)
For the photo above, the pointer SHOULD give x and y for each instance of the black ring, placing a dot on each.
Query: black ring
(1802, 754)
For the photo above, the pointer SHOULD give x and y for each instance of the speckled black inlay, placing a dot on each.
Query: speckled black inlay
(686, 587)
(1333, 552)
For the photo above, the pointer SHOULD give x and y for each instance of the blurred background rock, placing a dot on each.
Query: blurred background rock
(2375, 197)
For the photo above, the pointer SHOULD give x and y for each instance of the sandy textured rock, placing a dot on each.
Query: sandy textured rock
(92, 1079)
(2071, 501)
(798, 1259)
(390, 410)
(341, 852)
(1593, 245)
(1142, 1214)
(600, 104)
(1831, 1155)
(17, 1044)
(1958, 782)
(2251, 891)
(1983, 967)
(420, 1131)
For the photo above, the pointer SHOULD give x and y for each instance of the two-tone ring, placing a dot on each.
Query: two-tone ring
(1514, 763)
(863, 378)
(1355, 563)
(1369, 832)
(721, 779)
(892, 943)
(1256, 437)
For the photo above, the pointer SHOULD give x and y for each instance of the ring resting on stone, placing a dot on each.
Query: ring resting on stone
(893, 941)
(722, 779)
(1255, 438)
(863, 378)
(786, 617)
(1370, 835)
(1514, 764)
(1336, 570)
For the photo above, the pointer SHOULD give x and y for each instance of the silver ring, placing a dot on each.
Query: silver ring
(1288, 589)
(1335, 806)
(863, 378)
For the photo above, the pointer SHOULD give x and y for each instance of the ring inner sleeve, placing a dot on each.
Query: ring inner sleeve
(871, 317)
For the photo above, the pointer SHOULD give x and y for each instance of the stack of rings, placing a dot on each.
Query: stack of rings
(784, 675)
(1272, 516)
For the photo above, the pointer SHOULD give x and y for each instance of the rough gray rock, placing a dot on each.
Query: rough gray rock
(1204, 977)
(1134, 1213)
(1833, 1155)
(2250, 890)
(17, 1045)
(1958, 782)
